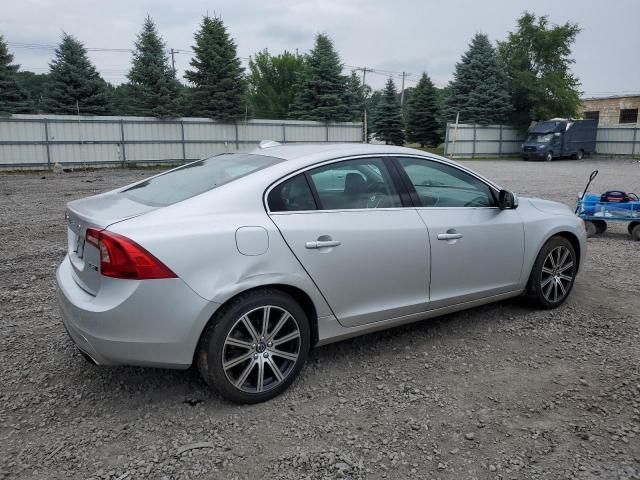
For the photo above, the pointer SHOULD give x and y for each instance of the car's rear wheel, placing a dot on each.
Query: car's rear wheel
(553, 273)
(631, 226)
(635, 232)
(255, 346)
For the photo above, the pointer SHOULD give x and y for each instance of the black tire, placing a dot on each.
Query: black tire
(212, 346)
(591, 228)
(601, 226)
(540, 280)
(631, 226)
(580, 155)
(635, 233)
(548, 156)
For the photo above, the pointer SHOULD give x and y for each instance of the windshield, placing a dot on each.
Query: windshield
(539, 137)
(197, 177)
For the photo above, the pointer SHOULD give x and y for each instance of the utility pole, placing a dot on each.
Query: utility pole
(173, 61)
(402, 92)
(364, 107)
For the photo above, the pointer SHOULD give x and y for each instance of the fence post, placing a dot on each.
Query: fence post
(124, 152)
(237, 138)
(446, 139)
(500, 144)
(327, 131)
(473, 153)
(633, 145)
(184, 148)
(284, 132)
(46, 134)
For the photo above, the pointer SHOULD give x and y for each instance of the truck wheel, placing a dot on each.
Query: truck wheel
(580, 155)
(635, 233)
(590, 228)
(548, 156)
(601, 226)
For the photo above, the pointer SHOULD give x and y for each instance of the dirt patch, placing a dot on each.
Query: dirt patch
(500, 391)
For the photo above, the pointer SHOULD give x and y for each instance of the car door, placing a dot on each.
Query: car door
(346, 224)
(477, 250)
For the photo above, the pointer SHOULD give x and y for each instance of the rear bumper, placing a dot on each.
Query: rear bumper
(145, 323)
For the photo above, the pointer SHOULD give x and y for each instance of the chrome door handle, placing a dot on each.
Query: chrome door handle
(322, 244)
(449, 236)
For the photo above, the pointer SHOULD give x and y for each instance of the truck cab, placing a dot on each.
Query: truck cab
(557, 137)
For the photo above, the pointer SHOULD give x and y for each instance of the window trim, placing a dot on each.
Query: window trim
(389, 158)
(414, 194)
(624, 111)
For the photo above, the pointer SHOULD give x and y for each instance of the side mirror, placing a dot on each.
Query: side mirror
(507, 200)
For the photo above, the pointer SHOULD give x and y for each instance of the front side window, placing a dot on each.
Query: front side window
(440, 185)
(354, 184)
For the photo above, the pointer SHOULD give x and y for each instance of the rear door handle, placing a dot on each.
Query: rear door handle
(450, 235)
(322, 244)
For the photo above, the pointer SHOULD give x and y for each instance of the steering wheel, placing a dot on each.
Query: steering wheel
(479, 201)
(375, 199)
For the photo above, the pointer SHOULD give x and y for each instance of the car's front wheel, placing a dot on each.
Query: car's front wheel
(553, 273)
(255, 346)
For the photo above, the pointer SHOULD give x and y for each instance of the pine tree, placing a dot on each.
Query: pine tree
(74, 83)
(322, 87)
(388, 120)
(422, 114)
(354, 97)
(152, 81)
(219, 86)
(13, 97)
(478, 91)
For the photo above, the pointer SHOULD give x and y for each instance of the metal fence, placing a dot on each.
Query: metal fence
(477, 141)
(44, 140)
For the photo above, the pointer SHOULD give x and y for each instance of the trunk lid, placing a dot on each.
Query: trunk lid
(98, 211)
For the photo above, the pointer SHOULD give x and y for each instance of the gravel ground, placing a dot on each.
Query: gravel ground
(500, 391)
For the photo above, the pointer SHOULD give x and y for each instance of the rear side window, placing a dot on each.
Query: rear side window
(197, 177)
(292, 195)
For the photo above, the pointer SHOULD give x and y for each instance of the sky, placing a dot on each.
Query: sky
(395, 36)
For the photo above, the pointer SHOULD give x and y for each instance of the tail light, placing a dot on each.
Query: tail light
(121, 257)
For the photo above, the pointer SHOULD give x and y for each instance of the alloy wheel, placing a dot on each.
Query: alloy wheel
(557, 274)
(261, 349)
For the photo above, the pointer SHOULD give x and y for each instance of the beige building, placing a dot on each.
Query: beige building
(617, 110)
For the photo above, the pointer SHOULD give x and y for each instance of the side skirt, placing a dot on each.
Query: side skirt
(330, 330)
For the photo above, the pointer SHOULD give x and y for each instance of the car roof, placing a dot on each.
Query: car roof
(297, 151)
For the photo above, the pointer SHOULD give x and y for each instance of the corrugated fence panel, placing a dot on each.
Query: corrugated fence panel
(68, 131)
(306, 133)
(85, 153)
(264, 131)
(42, 140)
(610, 141)
(345, 133)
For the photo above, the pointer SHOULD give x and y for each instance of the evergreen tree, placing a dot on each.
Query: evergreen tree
(13, 97)
(388, 120)
(537, 61)
(74, 83)
(354, 97)
(219, 86)
(36, 86)
(422, 114)
(323, 87)
(273, 83)
(478, 91)
(371, 104)
(152, 81)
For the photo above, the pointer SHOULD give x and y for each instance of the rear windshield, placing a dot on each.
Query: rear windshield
(197, 177)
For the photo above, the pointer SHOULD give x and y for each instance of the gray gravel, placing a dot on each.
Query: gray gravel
(501, 391)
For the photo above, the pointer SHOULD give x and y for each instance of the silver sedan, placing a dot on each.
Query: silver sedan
(240, 263)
